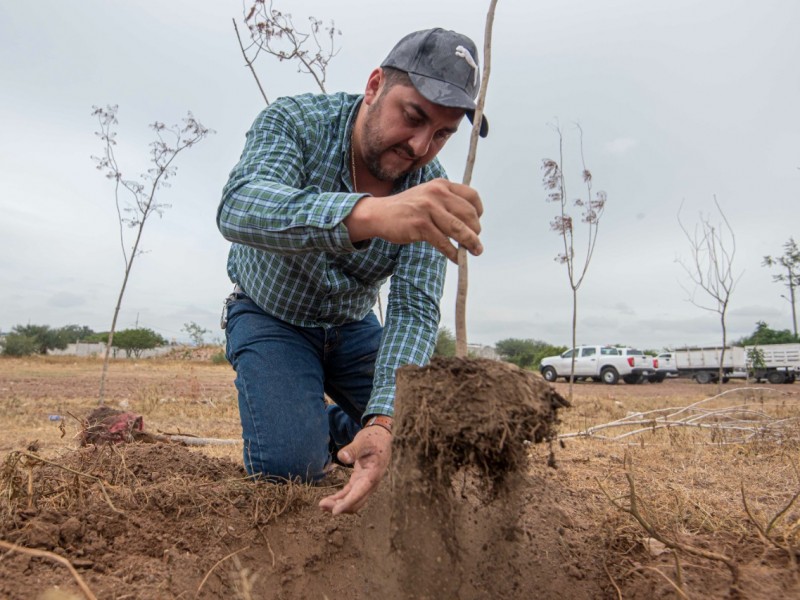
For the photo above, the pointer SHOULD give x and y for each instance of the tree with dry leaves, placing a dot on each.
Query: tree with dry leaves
(136, 199)
(591, 210)
(274, 33)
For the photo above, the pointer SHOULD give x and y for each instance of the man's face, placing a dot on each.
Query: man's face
(403, 131)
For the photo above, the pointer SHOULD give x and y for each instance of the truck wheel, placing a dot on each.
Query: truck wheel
(657, 378)
(776, 377)
(549, 374)
(632, 379)
(609, 375)
(703, 377)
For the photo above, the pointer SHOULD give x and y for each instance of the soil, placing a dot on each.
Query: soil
(169, 521)
(159, 520)
(458, 525)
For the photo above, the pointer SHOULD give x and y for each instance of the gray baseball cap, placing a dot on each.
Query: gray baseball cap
(443, 66)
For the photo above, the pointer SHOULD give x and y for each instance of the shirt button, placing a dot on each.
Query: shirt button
(328, 219)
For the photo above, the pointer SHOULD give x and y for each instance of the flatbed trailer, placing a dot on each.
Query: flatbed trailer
(775, 363)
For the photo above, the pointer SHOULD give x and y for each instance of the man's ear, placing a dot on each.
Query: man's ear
(374, 84)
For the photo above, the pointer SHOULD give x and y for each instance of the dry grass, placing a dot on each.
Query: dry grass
(693, 486)
(698, 488)
(174, 397)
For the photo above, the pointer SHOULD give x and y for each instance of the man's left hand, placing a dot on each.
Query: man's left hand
(369, 453)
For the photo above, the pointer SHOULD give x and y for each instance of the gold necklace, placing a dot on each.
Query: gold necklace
(353, 165)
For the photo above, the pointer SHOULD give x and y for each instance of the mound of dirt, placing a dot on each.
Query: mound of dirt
(161, 521)
(164, 521)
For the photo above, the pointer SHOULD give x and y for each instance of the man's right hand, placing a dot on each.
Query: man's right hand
(435, 212)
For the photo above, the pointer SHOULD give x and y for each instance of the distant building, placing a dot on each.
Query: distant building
(99, 349)
(481, 351)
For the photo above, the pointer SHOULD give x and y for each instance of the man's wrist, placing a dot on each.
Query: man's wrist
(384, 421)
(359, 221)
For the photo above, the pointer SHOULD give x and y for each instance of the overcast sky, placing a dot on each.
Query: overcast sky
(679, 101)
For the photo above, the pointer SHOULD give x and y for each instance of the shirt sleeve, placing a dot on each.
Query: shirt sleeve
(267, 203)
(412, 314)
(412, 320)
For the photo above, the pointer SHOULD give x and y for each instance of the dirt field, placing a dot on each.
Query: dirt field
(714, 512)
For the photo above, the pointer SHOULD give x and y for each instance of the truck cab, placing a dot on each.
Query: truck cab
(599, 363)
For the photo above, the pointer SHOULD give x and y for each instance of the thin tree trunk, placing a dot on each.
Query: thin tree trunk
(792, 300)
(461, 303)
(128, 267)
(574, 339)
(461, 293)
(250, 64)
(722, 355)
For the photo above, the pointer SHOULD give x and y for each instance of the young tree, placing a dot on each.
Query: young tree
(445, 343)
(136, 341)
(526, 353)
(136, 200)
(713, 249)
(463, 272)
(591, 208)
(44, 338)
(18, 344)
(75, 333)
(764, 335)
(195, 332)
(790, 262)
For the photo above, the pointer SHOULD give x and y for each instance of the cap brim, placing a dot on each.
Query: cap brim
(484, 123)
(445, 94)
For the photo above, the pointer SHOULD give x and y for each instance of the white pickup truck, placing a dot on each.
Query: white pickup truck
(600, 363)
(665, 367)
(645, 367)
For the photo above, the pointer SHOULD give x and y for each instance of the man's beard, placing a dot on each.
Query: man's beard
(374, 148)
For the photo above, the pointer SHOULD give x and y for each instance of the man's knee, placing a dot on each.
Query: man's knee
(305, 466)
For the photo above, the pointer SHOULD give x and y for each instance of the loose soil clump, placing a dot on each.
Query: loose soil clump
(476, 414)
(460, 457)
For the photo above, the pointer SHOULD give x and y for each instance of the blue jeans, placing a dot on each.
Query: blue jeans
(282, 372)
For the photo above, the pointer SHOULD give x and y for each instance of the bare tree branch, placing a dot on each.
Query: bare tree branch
(739, 423)
(713, 248)
(632, 508)
(274, 32)
(249, 62)
(142, 202)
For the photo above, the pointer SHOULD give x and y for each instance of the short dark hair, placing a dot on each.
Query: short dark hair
(393, 77)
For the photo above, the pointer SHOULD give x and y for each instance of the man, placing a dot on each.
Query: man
(332, 195)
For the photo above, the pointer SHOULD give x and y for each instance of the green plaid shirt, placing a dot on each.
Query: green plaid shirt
(283, 208)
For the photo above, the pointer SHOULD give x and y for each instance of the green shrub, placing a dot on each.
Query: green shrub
(17, 344)
(219, 358)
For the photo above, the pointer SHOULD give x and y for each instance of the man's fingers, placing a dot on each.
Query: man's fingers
(350, 498)
(350, 508)
(445, 247)
(357, 496)
(468, 194)
(447, 227)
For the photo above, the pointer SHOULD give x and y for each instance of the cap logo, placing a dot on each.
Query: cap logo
(462, 52)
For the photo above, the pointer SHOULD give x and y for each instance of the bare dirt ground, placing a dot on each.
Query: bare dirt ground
(714, 511)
